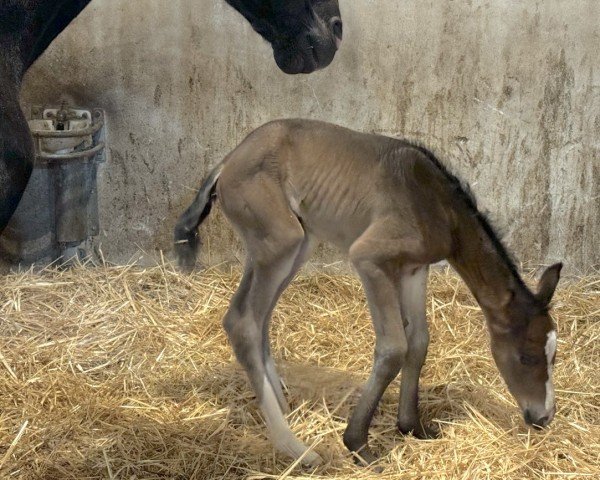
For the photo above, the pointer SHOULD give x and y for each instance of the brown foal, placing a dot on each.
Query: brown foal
(395, 209)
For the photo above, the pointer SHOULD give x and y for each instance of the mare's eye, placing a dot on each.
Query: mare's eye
(529, 360)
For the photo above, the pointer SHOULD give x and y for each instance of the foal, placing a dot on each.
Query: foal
(395, 209)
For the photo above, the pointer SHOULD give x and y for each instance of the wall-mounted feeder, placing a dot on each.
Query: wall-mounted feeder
(57, 217)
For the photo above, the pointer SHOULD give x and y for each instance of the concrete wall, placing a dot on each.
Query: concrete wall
(506, 92)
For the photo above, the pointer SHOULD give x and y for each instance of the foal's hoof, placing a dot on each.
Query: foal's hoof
(422, 432)
(365, 458)
(186, 257)
(311, 461)
(287, 444)
(186, 266)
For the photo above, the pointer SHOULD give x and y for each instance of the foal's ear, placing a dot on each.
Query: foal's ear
(547, 283)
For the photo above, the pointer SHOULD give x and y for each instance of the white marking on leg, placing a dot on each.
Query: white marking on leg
(276, 384)
(282, 437)
(550, 350)
(276, 422)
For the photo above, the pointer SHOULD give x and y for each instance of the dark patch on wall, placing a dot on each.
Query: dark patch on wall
(167, 191)
(157, 96)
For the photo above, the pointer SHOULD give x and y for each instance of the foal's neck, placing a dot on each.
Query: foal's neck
(483, 263)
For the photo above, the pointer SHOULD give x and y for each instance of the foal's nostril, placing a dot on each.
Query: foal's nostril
(542, 422)
(537, 423)
(337, 27)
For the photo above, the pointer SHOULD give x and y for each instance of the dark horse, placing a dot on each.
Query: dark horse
(304, 34)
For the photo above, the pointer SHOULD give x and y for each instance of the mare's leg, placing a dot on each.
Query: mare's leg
(16, 149)
(373, 256)
(274, 241)
(412, 292)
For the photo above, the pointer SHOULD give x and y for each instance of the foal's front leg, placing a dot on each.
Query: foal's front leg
(390, 353)
(412, 293)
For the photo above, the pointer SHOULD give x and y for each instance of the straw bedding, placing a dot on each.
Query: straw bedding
(125, 373)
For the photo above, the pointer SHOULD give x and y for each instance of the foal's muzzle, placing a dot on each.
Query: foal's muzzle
(539, 420)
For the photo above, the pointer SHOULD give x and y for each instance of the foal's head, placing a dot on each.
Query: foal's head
(524, 349)
(304, 34)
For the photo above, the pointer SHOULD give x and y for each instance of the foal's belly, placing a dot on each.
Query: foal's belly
(338, 234)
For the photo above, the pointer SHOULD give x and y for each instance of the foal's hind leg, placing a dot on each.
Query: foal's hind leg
(412, 292)
(244, 323)
(240, 301)
(274, 240)
(303, 253)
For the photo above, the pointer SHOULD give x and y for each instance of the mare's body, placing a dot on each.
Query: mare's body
(304, 35)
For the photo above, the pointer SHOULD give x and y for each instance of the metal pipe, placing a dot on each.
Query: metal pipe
(73, 155)
(69, 133)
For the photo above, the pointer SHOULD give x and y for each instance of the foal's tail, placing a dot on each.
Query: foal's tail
(187, 240)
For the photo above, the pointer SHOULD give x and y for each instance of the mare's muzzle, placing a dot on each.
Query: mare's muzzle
(310, 50)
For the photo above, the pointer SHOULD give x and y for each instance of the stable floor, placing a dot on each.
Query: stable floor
(124, 373)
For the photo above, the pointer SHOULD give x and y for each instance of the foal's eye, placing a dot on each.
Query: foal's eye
(529, 360)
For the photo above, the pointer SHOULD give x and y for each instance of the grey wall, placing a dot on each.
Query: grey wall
(507, 92)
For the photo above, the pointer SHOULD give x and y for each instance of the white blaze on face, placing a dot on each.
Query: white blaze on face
(550, 350)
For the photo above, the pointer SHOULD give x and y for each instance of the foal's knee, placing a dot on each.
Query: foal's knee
(238, 328)
(390, 358)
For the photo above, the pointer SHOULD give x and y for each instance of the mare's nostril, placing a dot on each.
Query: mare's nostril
(542, 422)
(336, 27)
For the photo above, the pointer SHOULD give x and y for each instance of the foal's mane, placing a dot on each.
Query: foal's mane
(464, 193)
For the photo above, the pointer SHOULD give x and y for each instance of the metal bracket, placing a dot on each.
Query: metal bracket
(96, 151)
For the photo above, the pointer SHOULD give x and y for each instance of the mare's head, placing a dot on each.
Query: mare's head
(304, 34)
(524, 349)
